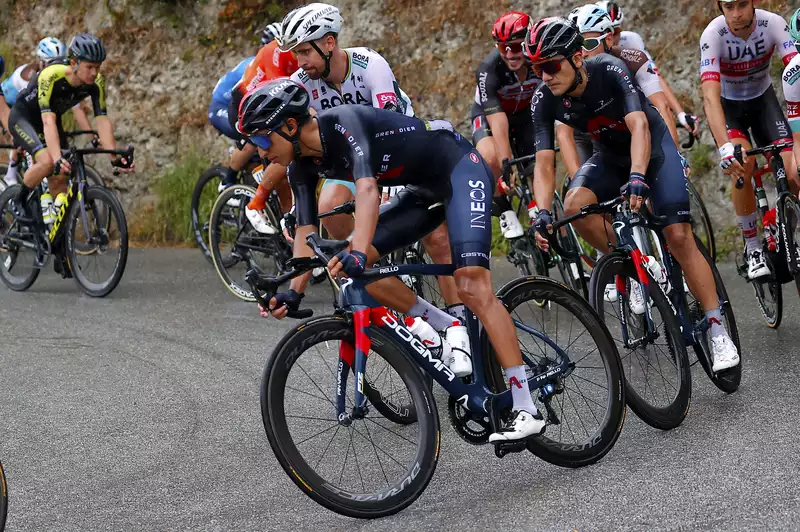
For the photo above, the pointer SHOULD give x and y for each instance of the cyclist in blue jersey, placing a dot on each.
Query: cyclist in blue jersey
(4, 108)
(378, 147)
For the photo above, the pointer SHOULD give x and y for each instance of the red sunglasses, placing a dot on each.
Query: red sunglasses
(513, 47)
(551, 68)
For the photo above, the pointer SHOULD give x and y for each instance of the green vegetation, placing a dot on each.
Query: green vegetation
(702, 159)
(169, 220)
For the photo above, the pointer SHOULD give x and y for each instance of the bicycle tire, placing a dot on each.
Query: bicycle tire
(74, 218)
(772, 312)
(93, 177)
(791, 211)
(673, 413)
(557, 453)
(571, 271)
(705, 220)
(273, 409)
(8, 259)
(3, 498)
(199, 220)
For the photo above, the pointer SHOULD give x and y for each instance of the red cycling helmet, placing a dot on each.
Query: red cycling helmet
(510, 26)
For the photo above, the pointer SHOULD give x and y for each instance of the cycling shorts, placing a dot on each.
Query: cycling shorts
(761, 116)
(349, 184)
(584, 145)
(415, 212)
(604, 174)
(28, 132)
(218, 116)
(520, 132)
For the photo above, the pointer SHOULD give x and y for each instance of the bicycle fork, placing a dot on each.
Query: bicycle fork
(354, 356)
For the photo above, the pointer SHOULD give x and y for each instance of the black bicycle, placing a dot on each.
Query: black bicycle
(89, 231)
(653, 333)
(781, 247)
(311, 416)
(205, 194)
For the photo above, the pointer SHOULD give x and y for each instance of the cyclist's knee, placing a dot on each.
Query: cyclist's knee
(437, 244)
(332, 196)
(486, 147)
(577, 198)
(680, 240)
(474, 286)
(45, 162)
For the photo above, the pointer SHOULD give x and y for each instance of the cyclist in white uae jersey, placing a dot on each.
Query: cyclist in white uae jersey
(735, 53)
(791, 85)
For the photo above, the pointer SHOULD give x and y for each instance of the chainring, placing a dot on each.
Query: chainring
(472, 429)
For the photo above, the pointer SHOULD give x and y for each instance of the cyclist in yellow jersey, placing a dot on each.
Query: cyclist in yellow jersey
(35, 120)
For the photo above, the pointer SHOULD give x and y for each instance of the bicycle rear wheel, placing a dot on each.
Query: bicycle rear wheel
(203, 197)
(585, 410)
(97, 245)
(658, 380)
(236, 246)
(701, 222)
(17, 269)
(791, 216)
(384, 467)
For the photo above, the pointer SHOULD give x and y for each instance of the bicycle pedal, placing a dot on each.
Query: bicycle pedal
(503, 448)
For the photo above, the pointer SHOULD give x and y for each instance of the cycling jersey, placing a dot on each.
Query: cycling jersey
(742, 65)
(632, 41)
(222, 90)
(13, 84)
(610, 95)
(369, 81)
(436, 163)
(269, 63)
(500, 90)
(791, 91)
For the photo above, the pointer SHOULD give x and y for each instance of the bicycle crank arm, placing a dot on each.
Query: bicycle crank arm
(506, 447)
(635, 344)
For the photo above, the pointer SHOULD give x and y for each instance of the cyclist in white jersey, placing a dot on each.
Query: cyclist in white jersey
(791, 85)
(633, 41)
(735, 53)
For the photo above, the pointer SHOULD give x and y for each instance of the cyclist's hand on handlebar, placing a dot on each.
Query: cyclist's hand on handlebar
(62, 167)
(513, 179)
(689, 122)
(352, 263)
(281, 304)
(637, 190)
(124, 164)
(728, 163)
(544, 226)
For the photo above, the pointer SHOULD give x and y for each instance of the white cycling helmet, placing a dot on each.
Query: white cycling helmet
(614, 11)
(270, 33)
(50, 48)
(309, 23)
(591, 18)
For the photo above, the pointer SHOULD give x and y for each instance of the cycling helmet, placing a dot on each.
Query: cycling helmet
(268, 106)
(551, 37)
(309, 23)
(615, 12)
(270, 33)
(794, 26)
(86, 47)
(50, 48)
(510, 26)
(591, 18)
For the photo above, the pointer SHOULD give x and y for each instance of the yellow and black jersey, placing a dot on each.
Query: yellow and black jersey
(51, 92)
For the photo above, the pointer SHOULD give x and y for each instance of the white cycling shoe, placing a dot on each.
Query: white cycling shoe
(233, 202)
(636, 298)
(510, 225)
(610, 294)
(757, 265)
(259, 221)
(724, 353)
(519, 427)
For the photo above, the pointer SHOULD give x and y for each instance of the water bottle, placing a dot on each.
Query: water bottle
(47, 208)
(429, 338)
(61, 200)
(457, 338)
(658, 273)
(533, 210)
(769, 223)
(761, 196)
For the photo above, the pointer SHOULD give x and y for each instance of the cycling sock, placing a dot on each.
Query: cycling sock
(438, 319)
(750, 232)
(229, 176)
(500, 204)
(259, 202)
(520, 392)
(458, 311)
(11, 175)
(714, 318)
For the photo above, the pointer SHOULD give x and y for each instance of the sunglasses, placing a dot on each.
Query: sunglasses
(594, 42)
(513, 47)
(262, 141)
(550, 68)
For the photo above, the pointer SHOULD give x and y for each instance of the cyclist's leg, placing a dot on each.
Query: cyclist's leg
(670, 198)
(27, 136)
(274, 174)
(469, 224)
(771, 127)
(597, 180)
(57, 183)
(484, 143)
(218, 117)
(335, 192)
(437, 244)
(11, 177)
(242, 155)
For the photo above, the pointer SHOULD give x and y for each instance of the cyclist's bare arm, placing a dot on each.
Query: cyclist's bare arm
(640, 141)
(105, 130)
(544, 177)
(498, 122)
(301, 249)
(81, 119)
(712, 104)
(565, 136)
(4, 112)
(368, 199)
(661, 102)
(51, 138)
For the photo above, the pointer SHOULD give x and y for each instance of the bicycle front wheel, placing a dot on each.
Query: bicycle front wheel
(367, 467)
(97, 242)
(571, 268)
(658, 381)
(204, 195)
(17, 259)
(585, 409)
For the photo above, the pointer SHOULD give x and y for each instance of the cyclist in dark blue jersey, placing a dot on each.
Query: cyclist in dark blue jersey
(633, 148)
(374, 148)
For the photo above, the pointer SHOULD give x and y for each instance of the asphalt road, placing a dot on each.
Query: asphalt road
(141, 412)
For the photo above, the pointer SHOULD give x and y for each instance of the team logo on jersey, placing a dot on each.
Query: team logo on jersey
(359, 59)
(473, 158)
(346, 98)
(476, 123)
(315, 94)
(385, 98)
(567, 103)
(276, 55)
(792, 75)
